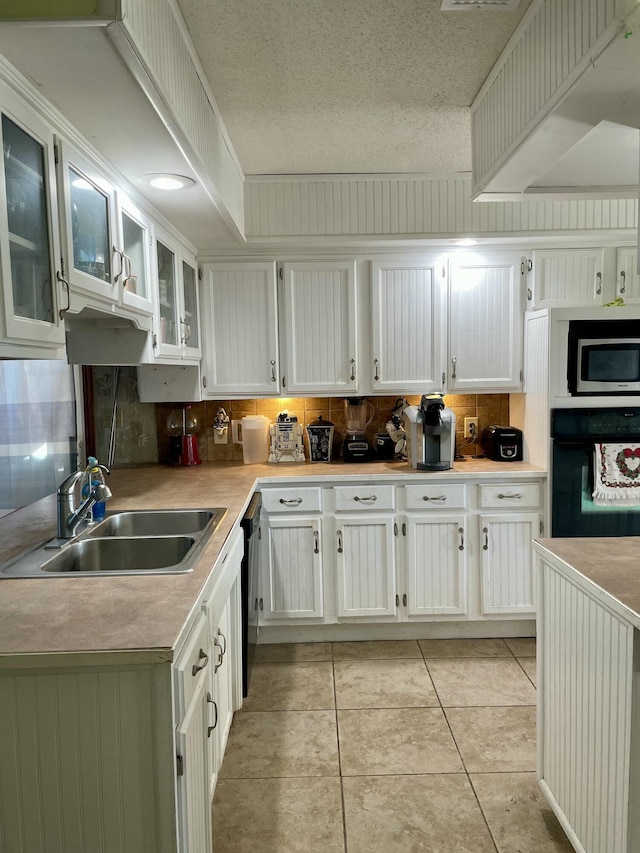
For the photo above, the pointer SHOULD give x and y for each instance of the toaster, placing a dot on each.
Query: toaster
(502, 443)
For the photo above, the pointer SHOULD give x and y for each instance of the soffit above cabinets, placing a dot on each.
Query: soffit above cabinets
(80, 72)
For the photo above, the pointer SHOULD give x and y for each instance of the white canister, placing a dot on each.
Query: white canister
(252, 432)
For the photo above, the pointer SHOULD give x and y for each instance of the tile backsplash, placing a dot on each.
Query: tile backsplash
(488, 408)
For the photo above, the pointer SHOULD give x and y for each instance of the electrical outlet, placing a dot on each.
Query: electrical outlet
(220, 436)
(470, 427)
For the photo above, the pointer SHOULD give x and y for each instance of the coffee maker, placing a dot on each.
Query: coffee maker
(358, 414)
(431, 434)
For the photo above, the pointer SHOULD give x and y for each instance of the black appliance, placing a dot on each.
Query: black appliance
(575, 433)
(249, 580)
(502, 443)
(603, 357)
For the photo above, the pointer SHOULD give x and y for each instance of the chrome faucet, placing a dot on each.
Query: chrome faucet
(68, 516)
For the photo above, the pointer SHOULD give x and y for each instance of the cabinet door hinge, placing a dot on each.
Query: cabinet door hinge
(56, 154)
(521, 375)
(404, 529)
(155, 340)
(529, 265)
(444, 272)
(62, 267)
(199, 273)
(179, 765)
(204, 381)
(395, 529)
(542, 527)
(280, 273)
(284, 381)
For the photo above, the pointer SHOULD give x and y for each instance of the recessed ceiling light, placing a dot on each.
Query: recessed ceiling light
(466, 242)
(168, 182)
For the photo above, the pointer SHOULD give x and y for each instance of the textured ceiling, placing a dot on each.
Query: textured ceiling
(347, 86)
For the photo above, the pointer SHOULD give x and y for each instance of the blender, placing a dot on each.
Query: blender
(358, 414)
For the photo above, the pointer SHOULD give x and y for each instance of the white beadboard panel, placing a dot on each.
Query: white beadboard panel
(535, 423)
(551, 47)
(321, 330)
(436, 567)
(295, 569)
(77, 749)
(485, 292)
(349, 206)
(406, 302)
(507, 580)
(240, 329)
(194, 805)
(585, 715)
(366, 567)
(162, 40)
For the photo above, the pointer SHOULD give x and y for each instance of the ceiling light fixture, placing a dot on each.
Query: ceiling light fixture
(466, 242)
(167, 181)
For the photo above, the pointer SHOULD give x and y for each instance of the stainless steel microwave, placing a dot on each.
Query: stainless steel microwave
(604, 357)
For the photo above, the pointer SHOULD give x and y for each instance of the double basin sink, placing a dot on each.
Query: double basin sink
(132, 542)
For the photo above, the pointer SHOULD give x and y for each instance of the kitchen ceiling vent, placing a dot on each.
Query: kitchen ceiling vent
(466, 5)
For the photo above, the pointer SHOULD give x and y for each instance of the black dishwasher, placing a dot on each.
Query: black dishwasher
(249, 580)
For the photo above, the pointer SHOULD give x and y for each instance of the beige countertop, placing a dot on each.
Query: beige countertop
(99, 614)
(608, 568)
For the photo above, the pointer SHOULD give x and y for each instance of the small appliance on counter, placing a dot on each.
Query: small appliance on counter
(384, 445)
(358, 414)
(502, 443)
(182, 425)
(286, 439)
(431, 434)
(320, 433)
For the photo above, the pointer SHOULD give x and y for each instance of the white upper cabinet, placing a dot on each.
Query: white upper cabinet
(320, 328)
(485, 322)
(567, 277)
(407, 331)
(627, 277)
(240, 330)
(29, 243)
(176, 324)
(132, 250)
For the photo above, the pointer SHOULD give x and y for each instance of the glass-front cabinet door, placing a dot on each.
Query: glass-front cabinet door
(89, 204)
(132, 256)
(29, 246)
(190, 313)
(168, 330)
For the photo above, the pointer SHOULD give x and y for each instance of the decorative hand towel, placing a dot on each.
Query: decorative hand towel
(616, 475)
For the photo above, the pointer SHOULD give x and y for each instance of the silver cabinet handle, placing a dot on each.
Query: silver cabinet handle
(60, 277)
(404, 529)
(404, 599)
(598, 282)
(202, 656)
(118, 253)
(438, 498)
(444, 378)
(353, 369)
(529, 294)
(218, 663)
(273, 370)
(316, 542)
(376, 375)
(224, 640)
(261, 604)
(291, 501)
(461, 545)
(339, 541)
(485, 530)
(623, 281)
(454, 365)
(212, 701)
(516, 496)
(369, 499)
(397, 600)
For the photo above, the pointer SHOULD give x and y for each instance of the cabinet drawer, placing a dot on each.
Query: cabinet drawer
(510, 495)
(434, 496)
(292, 500)
(364, 497)
(194, 659)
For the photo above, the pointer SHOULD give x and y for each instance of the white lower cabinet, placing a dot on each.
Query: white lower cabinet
(436, 565)
(507, 576)
(366, 565)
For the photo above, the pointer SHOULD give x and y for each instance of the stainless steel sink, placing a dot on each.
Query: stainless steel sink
(183, 522)
(134, 542)
(142, 554)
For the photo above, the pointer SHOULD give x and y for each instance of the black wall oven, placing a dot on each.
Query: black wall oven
(575, 433)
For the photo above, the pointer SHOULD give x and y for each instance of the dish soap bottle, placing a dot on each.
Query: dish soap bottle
(94, 476)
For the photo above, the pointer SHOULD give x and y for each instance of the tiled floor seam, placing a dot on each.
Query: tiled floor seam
(335, 700)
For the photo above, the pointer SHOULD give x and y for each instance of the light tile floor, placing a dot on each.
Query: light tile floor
(386, 747)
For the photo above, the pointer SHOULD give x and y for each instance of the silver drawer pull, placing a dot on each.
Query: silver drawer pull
(224, 640)
(515, 496)
(461, 545)
(213, 702)
(316, 542)
(202, 656)
(485, 546)
(291, 501)
(339, 541)
(369, 499)
(439, 498)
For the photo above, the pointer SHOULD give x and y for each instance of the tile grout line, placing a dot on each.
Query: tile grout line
(335, 699)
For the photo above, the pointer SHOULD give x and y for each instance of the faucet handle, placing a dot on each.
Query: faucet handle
(67, 484)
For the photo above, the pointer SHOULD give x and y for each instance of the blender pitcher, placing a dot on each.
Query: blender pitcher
(358, 414)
